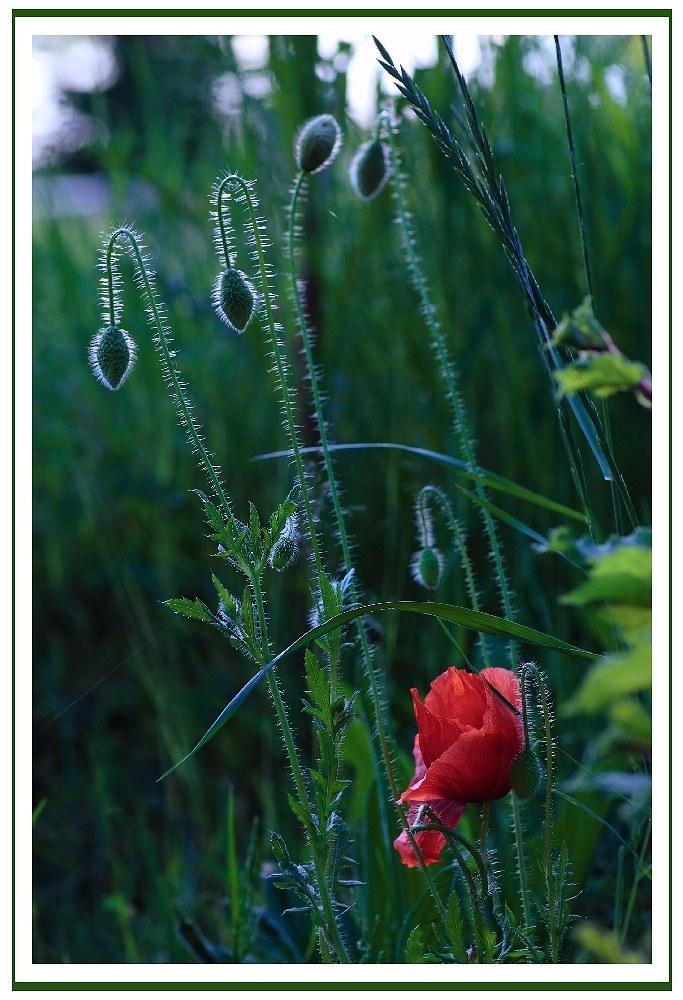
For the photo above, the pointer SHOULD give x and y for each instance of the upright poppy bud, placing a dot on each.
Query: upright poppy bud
(526, 774)
(286, 546)
(317, 143)
(112, 354)
(370, 169)
(234, 299)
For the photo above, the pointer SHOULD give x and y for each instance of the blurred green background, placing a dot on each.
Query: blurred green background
(122, 687)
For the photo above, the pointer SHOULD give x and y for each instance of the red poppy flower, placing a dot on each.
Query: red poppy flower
(467, 741)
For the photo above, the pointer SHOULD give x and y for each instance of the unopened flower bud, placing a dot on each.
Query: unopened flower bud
(112, 355)
(317, 143)
(427, 567)
(286, 547)
(370, 169)
(526, 774)
(234, 299)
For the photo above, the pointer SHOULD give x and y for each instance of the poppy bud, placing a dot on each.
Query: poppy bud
(526, 774)
(285, 549)
(427, 566)
(317, 143)
(370, 169)
(233, 299)
(112, 355)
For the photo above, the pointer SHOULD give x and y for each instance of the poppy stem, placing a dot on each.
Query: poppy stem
(486, 808)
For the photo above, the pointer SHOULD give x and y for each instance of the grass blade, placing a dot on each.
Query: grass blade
(478, 621)
(490, 479)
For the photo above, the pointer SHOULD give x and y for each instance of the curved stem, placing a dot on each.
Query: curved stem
(383, 734)
(221, 221)
(171, 373)
(448, 373)
(319, 856)
(433, 492)
(285, 391)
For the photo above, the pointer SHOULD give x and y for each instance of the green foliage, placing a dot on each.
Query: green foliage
(620, 586)
(126, 867)
(603, 375)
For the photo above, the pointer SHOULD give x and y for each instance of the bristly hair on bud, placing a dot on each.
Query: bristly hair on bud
(426, 567)
(286, 548)
(112, 354)
(370, 169)
(526, 774)
(234, 299)
(317, 143)
(427, 563)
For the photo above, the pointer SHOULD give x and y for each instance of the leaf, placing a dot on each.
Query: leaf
(613, 677)
(191, 608)
(415, 949)
(603, 822)
(602, 374)
(579, 329)
(455, 926)
(603, 946)
(489, 479)
(476, 620)
(623, 577)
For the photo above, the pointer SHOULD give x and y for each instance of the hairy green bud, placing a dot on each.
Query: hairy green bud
(317, 143)
(286, 547)
(370, 169)
(427, 567)
(526, 774)
(112, 354)
(234, 299)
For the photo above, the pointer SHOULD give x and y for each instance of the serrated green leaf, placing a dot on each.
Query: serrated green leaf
(318, 685)
(601, 374)
(190, 608)
(213, 515)
(254, 526)
(229, 602)
(456, 928)
(415, 953)
(301, 812)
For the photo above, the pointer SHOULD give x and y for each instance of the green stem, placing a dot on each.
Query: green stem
(382, 729)
(550, 882)
(168, 360)
(433, 493)
(449, 375)
(274, 342)
(319, 856)
(521, 863)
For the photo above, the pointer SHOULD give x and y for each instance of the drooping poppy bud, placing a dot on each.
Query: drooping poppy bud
(317, 143)
(427, 567)
(370, 169)
(234, 299)
(112, 354)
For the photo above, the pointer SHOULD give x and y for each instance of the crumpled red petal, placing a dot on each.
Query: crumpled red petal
(429, 842)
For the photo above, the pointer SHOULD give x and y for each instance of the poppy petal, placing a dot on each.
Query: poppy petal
(429, 842)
